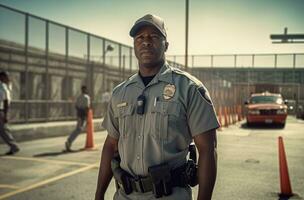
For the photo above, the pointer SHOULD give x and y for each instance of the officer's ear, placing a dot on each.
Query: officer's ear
(166, 45)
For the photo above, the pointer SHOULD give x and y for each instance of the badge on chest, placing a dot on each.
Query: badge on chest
(169, 91)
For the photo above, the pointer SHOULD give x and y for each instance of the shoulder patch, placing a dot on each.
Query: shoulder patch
(204, 94)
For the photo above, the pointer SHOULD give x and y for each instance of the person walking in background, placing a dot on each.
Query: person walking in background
(82, 106)
(105, 98)
(5, 100)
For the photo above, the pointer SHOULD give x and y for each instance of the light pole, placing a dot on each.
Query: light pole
(284, 39)
(186, 34)
(109, 48)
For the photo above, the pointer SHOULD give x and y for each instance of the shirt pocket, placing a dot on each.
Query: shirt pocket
(163, 113)
(126, 120)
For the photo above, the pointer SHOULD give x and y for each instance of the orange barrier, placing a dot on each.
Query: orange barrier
(226, 117)
(242, 112)
(233, 115)
(284, 175)
(220, 117)
(229, 115)
(90, 130)
(239, 114)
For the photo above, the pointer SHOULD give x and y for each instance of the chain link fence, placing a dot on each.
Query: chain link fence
(48, 62)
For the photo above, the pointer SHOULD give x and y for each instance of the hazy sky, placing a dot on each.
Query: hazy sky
(216, 26)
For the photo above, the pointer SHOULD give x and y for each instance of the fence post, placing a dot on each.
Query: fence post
(47, 79)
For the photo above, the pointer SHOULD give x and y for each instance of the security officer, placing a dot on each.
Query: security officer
(82, 106)
(151, 120)
(5, 99)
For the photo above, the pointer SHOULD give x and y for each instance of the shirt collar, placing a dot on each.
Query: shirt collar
(164, 74)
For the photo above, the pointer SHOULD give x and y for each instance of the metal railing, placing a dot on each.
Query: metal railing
(48, 62)
(270, 60)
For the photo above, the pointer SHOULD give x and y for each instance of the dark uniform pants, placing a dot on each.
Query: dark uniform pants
(178, 193)
(81, 123)
(5, 133)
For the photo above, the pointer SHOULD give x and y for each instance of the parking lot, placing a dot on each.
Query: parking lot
(247, 166)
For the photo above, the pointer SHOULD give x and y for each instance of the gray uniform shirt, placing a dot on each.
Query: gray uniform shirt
(83, 101)
(177, 108)
(5, 94)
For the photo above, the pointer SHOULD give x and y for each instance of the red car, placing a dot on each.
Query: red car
(266, 108)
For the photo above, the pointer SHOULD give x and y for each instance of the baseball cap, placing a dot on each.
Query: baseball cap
(151, 20)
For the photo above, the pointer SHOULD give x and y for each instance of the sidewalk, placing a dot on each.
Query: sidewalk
(31, 131)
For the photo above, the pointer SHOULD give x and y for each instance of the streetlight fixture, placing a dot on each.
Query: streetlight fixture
(287, 38)
(108, 49)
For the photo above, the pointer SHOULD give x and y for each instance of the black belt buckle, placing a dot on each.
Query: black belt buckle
(161, 180)
(138, 184)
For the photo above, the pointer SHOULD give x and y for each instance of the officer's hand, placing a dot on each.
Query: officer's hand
(2, 117)
(5, 119)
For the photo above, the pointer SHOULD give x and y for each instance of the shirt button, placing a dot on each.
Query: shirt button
(139, 137)
(137, 157)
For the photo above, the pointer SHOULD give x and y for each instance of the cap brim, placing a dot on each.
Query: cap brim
(139, 25)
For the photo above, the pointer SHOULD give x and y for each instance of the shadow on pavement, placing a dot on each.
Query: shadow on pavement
(293, 196)
(259, 126)
(58, 153)
(3, 155)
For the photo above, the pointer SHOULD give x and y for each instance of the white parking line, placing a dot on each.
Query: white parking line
(46, 160)
(9, 186)
(47, 181)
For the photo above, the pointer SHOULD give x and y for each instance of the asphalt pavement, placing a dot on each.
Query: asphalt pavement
(247, 166)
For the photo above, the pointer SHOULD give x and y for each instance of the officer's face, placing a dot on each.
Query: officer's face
(150, 46)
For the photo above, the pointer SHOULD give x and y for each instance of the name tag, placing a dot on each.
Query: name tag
(123, 104)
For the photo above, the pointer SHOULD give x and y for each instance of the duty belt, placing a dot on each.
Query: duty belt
(161, 178)
(145, 184)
